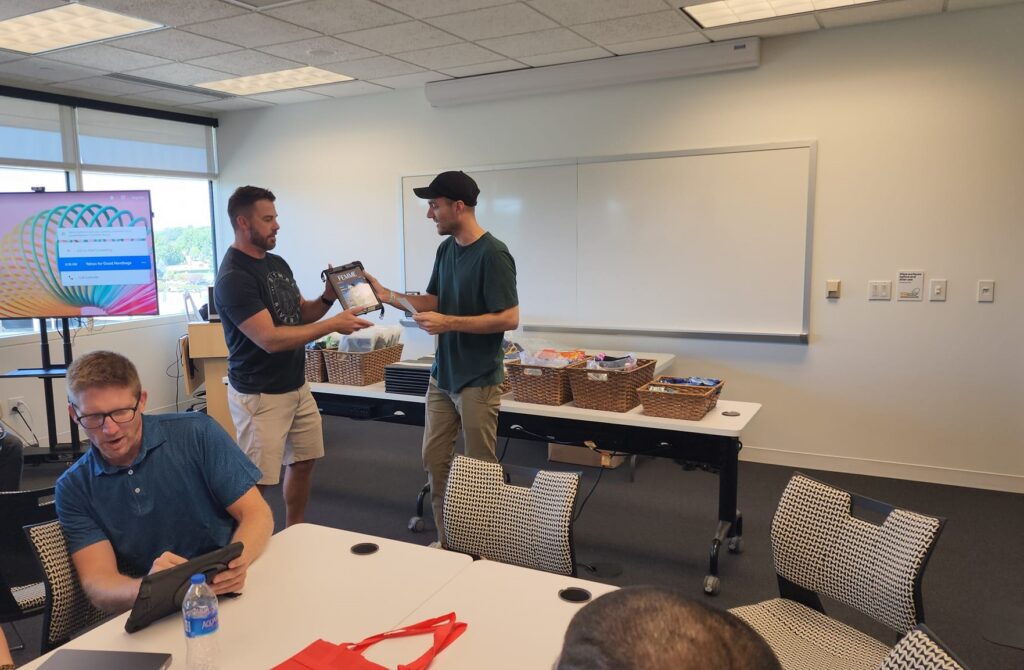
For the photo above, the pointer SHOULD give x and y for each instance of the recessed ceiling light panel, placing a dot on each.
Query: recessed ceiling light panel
(66, 26)
(276, 81)
(727, 12)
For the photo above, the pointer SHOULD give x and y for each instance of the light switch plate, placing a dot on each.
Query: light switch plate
(986, 290)
(880, 289)
(832, 288)
(937, 290)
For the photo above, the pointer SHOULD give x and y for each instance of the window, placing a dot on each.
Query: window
(182, 230)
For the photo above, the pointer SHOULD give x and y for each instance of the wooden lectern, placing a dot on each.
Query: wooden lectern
(207, 348)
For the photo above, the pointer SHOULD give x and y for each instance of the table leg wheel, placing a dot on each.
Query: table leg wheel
(736, 545)
(712, 584)
(416, 524)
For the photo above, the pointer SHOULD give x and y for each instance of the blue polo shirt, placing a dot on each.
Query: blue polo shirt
(173, 497)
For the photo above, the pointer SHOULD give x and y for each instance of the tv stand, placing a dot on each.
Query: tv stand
(56, 452)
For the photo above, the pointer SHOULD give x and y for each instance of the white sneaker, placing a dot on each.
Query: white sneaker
(435, 545)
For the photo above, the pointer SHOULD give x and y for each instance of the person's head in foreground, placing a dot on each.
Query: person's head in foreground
(651, 628)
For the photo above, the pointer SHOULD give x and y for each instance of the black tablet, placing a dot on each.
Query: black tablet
(161, 593)
(353, 289)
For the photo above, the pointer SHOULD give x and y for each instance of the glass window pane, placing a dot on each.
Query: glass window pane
(122, 140)
(17, 180)
(30, 130)
(182, 229)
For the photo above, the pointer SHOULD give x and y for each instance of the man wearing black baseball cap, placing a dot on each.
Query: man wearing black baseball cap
(470, 302)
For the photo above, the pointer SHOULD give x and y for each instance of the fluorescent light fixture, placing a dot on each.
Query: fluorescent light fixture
(276, 81)
(665, 64)
(727, 12)
(66, 26)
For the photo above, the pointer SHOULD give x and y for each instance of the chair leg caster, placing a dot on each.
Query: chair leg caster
(712, 585)
(416, 524)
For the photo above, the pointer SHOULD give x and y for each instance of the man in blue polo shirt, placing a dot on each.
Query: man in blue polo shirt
(153, 491)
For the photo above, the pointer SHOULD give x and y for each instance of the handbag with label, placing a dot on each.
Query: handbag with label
(323, 655)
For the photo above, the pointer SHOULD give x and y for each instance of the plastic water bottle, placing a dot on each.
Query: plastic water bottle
(199, 610)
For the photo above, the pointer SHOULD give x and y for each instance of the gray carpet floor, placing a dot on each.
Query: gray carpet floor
(658, 528)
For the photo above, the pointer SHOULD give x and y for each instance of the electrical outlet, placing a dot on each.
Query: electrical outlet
(14, 402)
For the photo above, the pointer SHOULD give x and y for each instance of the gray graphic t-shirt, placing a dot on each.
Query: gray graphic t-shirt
(246, 286)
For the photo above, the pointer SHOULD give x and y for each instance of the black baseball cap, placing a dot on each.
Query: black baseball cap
(454, 185)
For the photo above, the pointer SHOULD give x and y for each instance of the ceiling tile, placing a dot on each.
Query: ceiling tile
(349, 88)
(494, 22)
(338, 16)
(39, 70)
(373, 68)
(658, 43)
(251, 30)
(566, 57)
(784, 25)
(244, 63)
(106, 85)
(401, 37)
(635, 28)
(540, 42)
(450, 56)
(411, 80)
(421, 9)
(288, 97)
(231, 104)
(103, 57)
(11, 8)
(957, 5)
(176, 13)
(172, 97)
(181, 73)
(569, 12)
(483, 68)
(318, 51)
(173, 44)
(880, 11)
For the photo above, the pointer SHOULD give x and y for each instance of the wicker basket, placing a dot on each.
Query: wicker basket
(609, 390)
(688, 402)
(360, 369)
(506, 385)
(316, 371)
(538, 384)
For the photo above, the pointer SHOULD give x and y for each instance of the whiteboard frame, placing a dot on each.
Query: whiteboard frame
(812, 170)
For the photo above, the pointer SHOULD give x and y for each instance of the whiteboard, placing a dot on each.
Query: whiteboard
(712, 242)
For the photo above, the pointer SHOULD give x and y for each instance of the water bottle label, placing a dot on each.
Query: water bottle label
(197, 627)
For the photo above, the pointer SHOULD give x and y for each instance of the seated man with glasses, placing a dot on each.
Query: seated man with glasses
(154, 490)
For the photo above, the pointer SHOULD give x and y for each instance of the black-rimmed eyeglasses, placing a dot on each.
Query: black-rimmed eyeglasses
(91, 421)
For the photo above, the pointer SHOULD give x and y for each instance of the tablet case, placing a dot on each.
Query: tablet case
(353, 289)
(87, 659)
(161, 593)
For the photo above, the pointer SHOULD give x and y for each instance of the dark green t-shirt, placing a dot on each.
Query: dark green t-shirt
(469, 281)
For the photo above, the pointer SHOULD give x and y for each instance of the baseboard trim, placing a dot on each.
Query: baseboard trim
(876, 468)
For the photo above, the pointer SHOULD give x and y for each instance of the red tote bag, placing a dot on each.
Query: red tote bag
(323, 655)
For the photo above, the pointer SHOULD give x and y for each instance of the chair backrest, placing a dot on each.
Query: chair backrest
(19, 509)
(68, 610)
(531, 527)
(921, 650)
(819, 546)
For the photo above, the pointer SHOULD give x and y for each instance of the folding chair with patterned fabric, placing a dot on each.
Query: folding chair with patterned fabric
(921, 650)
(531, 527)
(819, 546)
(21, 582)
(68, 610)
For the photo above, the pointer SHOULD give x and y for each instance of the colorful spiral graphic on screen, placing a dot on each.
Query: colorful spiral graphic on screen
(30, 284)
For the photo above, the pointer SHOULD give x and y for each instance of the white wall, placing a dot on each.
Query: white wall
(150, 343)
(920, 166)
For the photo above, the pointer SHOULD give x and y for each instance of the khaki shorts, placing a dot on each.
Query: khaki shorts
(277, 428)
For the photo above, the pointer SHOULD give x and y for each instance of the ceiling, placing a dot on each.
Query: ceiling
(382, 44)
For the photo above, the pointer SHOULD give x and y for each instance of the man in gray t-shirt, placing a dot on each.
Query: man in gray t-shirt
(267, 323)
(470, 302)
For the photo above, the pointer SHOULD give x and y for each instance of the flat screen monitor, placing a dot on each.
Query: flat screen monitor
(77, 254)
